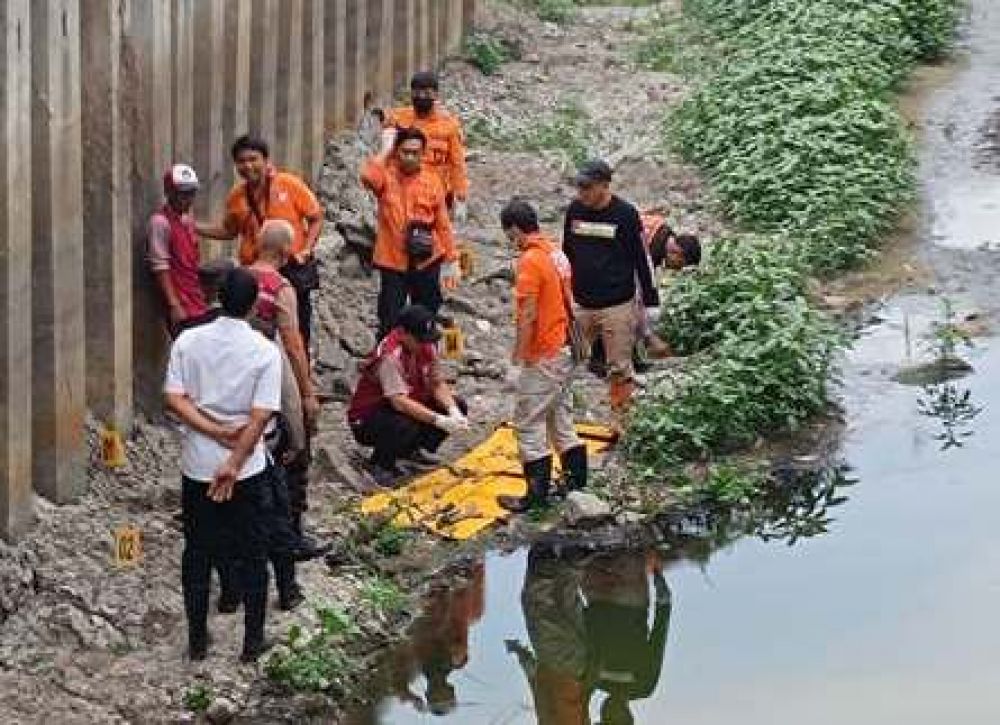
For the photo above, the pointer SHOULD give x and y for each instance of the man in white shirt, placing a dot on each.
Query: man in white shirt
(224, 384)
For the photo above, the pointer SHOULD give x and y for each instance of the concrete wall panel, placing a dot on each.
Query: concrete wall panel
(58, 385)
(15, 269)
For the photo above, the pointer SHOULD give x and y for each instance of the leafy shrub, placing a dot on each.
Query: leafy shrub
(488, 52)
(553, 11)
(768, 359)
(796, 126)
(566, 131)
(313, 660)
(198, 698)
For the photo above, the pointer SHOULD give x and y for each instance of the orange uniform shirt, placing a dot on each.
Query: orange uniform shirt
(543, 275)
(404, 198)
(445, 152)
(289, 198)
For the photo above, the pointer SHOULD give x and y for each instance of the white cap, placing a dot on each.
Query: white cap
(183, 178)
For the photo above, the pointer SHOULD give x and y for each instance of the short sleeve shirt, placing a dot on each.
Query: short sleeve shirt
(227, 369)
(289, 199)
(542, 275)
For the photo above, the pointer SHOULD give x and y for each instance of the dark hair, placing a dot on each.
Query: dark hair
(424, 80)
(249, 143)
(691, 248)
(238, 292)
(519, 213)
(410, 133)
(658, 245)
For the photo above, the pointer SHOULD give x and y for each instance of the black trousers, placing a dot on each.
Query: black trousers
(394, 435)
(233, 536)
(397, 289)
(282, 540)
(303, 298)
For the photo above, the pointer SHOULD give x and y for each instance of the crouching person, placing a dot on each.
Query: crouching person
(402, 406)
(543, 407)
(224, 383)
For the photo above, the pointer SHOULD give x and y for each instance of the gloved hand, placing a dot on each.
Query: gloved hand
(388, 139)
(460, 211)
(652, 315)
(456, 412)
(451, 273)
(451, 424)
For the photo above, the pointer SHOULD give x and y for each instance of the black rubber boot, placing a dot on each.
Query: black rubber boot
(289, 594)
(254, 612)
(538, 475)
(574, 468)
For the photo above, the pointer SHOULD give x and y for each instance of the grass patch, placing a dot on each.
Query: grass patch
(198, 698)
(384, 596)
(489, 52)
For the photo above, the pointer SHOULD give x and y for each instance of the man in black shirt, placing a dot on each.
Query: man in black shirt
(603, 241)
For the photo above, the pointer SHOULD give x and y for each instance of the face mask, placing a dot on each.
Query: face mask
(423, 105)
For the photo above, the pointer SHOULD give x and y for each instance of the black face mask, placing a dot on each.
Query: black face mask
(423, 106)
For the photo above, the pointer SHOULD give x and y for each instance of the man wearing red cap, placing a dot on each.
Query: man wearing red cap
(173, 253)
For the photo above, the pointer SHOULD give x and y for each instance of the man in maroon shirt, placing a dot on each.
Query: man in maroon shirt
(173, 253)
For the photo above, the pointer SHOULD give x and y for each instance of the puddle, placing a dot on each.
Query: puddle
(870, 603)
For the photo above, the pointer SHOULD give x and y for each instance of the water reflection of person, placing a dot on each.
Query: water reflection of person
(439, 645)
(554, 614)
(625, 655)
(587, 622)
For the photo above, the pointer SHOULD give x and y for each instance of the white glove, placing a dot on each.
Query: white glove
(460, 211)
(451, 273)
(652, 315)
(388, 139)
(451, 424)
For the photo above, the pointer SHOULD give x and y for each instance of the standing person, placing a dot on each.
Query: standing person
(267, 193)
(224, 383)
(173, 253)
(414, 248)
(543, 406)
(402, 406)
(277, 314)
(445, 152)
(603, 241)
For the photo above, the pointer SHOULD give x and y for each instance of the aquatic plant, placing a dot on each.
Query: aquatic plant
(953, 406)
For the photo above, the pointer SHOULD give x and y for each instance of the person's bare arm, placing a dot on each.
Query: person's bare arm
(314, 227)
(525, 326)
(192, 416)
(226, 229)
(291, 340)
(173, 303)
(221, 488)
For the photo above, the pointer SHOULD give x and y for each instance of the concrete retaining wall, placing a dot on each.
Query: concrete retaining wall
(97, 97)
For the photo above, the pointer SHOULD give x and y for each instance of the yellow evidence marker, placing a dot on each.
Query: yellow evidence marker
(128, 546)
(466, 261)
(452, 343)
(112, 447)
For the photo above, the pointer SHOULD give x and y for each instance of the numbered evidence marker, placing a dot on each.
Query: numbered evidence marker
(128, 546)
(112, 447)
(466, 261)
(452, 343)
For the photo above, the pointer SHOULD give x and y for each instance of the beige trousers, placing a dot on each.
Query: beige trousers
(543, 408)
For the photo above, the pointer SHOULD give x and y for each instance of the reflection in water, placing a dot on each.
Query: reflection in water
(587, 619)
(596, 622)
(438, 646)
(953, 406)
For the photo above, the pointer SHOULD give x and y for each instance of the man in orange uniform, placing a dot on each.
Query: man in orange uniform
(543, 406)
(414, 248)
(266, 193)
(445, 153)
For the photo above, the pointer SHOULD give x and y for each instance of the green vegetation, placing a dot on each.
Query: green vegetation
(565, 131)
(553, 11)
(314, 660)
(384, 596)
(795, 125)
(488, 52)
(198, 698)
